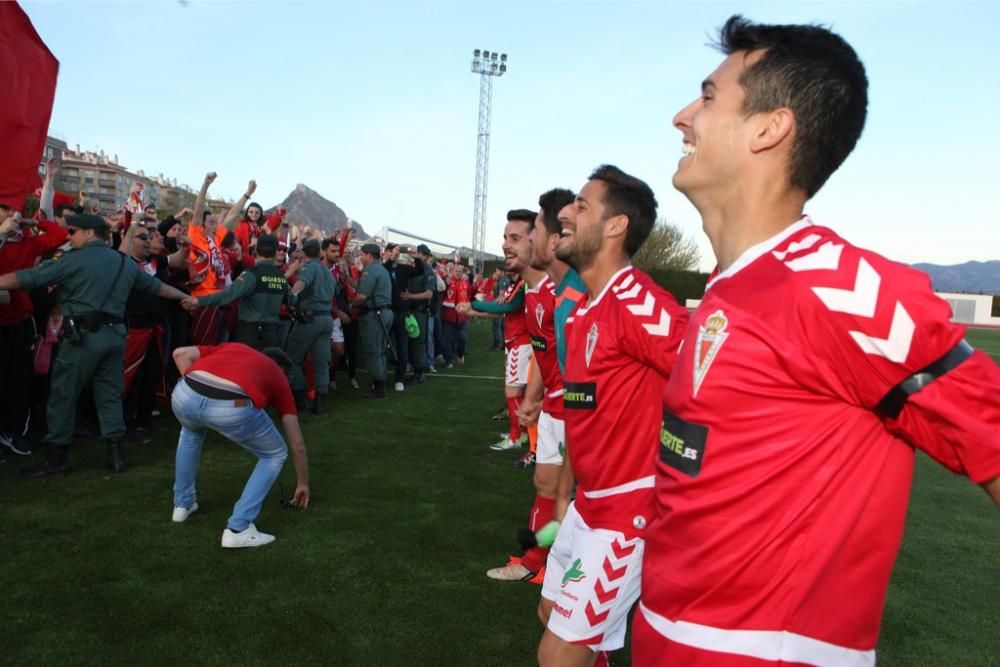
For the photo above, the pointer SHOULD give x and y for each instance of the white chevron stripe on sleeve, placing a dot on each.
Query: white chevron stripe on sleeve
(827, 256)
(632, 293)
(628, 280)
(894, 347)
(642, 310)
(858, 301)
(807, 242)
(661, 328)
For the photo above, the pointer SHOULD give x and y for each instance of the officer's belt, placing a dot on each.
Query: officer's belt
(95, 320)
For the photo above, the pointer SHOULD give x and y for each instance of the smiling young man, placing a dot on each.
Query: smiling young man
(621, 342)
(510, 306)
(810, 372)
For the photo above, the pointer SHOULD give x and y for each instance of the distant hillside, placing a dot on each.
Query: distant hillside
(308, 207)
(969, 277)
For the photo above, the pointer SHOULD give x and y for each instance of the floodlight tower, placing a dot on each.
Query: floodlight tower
(487, 64)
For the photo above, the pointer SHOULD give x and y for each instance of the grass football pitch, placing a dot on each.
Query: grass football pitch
(386, 567)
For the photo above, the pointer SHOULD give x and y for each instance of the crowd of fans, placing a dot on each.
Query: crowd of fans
(202, 253)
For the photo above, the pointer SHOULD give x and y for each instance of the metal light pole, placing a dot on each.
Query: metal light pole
(487, 66)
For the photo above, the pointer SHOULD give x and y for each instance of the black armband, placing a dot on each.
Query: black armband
(892, 403)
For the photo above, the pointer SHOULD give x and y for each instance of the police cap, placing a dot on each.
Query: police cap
(267, 245)
(86, 221)
(371, 249)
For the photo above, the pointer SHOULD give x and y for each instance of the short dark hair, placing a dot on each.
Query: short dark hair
(629, 196)
(327, 243)
(522, 215)
(278, 356)
(550, 204)
(59, 209)
(815, 73)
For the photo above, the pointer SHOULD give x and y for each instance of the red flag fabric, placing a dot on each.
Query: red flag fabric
(28, 80)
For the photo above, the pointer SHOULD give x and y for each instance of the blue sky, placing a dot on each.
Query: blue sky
(373, 105)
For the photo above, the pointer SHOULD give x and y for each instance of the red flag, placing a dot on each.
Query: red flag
(28, 80)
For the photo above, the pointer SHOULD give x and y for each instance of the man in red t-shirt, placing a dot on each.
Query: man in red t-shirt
(621, 343)
(228, 388)
(810, 371)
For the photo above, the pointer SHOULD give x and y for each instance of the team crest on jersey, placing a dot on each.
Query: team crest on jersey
(711, 335)
(539, 314)
(591, 343)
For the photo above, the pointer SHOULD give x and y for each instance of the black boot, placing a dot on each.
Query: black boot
(378, 390)
(300, 400)
(318, 403)
(116, 455)
(55, 464)
(416, 378)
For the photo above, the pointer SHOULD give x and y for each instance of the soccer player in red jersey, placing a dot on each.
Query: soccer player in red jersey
(510, 306)
(810, 372)
(621, 342)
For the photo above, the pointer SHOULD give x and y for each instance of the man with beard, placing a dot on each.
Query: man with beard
(811, 370)
(510, 306)
(545, 386)
(621, 343)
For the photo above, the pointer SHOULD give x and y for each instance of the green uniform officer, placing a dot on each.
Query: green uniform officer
(417, 294)
(92, 282)
(374, 298)
(315, 289)
(261, 289)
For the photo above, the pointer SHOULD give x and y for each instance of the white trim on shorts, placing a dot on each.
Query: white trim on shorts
(551, 440)
(592, 577)
(772, 645)
(518, 363)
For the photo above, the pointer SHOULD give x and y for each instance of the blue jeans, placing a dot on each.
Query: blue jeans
(431, 323)
(249, 427)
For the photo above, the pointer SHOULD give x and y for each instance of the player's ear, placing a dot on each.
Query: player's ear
(616, 225)
(774, 127)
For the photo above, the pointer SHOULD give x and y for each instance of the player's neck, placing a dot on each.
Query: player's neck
(735, 227)
(604, 267)
(532, 276)
(557, 270)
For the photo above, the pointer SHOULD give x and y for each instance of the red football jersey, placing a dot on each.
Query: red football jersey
(515, 325)
(781, 493)
(621, 347)
(258, 375)
(540, 308)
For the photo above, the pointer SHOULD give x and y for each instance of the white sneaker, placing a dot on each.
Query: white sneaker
(512, 571)
(504, 444)
(181, 514)
(398, 386)
(251, 537)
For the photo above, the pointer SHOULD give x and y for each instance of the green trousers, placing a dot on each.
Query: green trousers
(99, 359)
(373, 342)
(312, 338)
(257, 335)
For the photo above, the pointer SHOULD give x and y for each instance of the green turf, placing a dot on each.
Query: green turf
(387, 565)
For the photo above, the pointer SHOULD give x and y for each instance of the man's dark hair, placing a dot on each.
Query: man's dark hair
(149, 206)
(522, 215)
(550, 204)
(60, 209)
(278, 356)
(311, 250)
(229, 240)
(816, 74)
(627, 195)
(327, 243)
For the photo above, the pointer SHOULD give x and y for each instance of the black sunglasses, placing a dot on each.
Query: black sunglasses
(287, 503)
